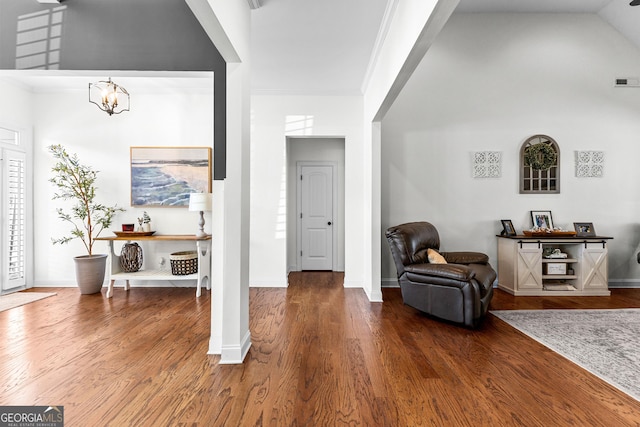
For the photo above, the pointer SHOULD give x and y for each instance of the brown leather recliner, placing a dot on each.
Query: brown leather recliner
(458, 291)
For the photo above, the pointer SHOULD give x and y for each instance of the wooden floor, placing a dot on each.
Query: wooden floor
(321, 356)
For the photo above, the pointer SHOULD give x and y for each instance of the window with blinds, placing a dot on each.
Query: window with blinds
(15, 211)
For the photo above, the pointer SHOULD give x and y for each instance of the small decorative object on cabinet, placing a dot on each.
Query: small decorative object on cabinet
(200, 202)
(584, 229)
(131, 257)
(553, 265)
(542, 220)
(507, 228)
(146, 222)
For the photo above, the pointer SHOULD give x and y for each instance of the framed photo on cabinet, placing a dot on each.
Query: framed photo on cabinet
(584, 229)
(507, 228)
(542, 219)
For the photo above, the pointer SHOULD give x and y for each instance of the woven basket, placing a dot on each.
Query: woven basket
(131, 257)
(183, 263)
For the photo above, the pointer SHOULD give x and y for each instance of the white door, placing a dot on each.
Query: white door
(315, 217)
(14, 211)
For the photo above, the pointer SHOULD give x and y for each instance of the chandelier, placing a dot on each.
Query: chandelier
(109, 97)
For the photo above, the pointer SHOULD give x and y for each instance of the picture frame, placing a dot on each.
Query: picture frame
(542, 219)
(584, 229)
(165, 176)
(507, 228)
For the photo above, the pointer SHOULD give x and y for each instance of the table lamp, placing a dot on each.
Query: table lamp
(200, 202)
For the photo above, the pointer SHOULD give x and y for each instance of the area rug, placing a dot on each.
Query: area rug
(21, 298)
(604, 342)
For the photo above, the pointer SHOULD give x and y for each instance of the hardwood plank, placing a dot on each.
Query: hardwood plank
(321, 355)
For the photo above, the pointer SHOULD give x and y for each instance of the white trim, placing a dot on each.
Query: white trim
(268, 283)
(389, 283)
(231, 355)
(215, 345)
(118, 286)
(383, 30)
(624, 283)
(374, 295)
(326, 92)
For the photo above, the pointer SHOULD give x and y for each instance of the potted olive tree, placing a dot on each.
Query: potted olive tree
(76, 182)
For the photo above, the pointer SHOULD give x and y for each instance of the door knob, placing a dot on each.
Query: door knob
(329, 223)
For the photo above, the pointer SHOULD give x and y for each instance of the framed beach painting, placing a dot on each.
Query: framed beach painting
(165, 176)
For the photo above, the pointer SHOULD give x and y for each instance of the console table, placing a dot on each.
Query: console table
(203, 247)
(522, 270)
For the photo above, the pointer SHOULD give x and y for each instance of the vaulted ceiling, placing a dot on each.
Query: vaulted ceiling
(312, 47)
(324, 47)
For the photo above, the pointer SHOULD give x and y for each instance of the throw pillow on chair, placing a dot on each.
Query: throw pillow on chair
(435, 258)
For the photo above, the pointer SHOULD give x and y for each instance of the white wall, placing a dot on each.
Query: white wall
(166, 119)
(273, 119)
(489, 82)
(15, 105)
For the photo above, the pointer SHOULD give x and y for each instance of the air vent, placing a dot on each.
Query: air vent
(628, 82)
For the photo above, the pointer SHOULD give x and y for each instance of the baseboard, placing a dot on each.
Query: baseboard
(375, 296)
(215, 345)
(389, 283)
(55, 284)
(624, 283)
(352, 283)
(269, 283)
(235, 354)
(120, 284)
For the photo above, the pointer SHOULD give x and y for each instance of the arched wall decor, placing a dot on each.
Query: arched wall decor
(539, 165)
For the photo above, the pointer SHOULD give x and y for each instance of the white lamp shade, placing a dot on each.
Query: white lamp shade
(200, 202)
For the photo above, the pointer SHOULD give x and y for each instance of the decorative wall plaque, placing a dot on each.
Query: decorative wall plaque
(487, 164)
(589, 164)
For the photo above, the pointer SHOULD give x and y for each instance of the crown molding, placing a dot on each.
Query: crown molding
(387, 18)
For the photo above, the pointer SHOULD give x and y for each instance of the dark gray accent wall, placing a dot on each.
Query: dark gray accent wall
(220, 120)
(143, 35)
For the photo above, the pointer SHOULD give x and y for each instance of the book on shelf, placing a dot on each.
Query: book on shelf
(559, 287)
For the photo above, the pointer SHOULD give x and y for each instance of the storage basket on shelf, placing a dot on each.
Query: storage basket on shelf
(183, 263)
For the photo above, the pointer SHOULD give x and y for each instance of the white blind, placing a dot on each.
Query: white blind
(15, 213)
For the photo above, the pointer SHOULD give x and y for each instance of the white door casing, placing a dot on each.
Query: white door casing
(316, 213)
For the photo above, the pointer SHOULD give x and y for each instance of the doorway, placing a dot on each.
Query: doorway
(315, 203)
